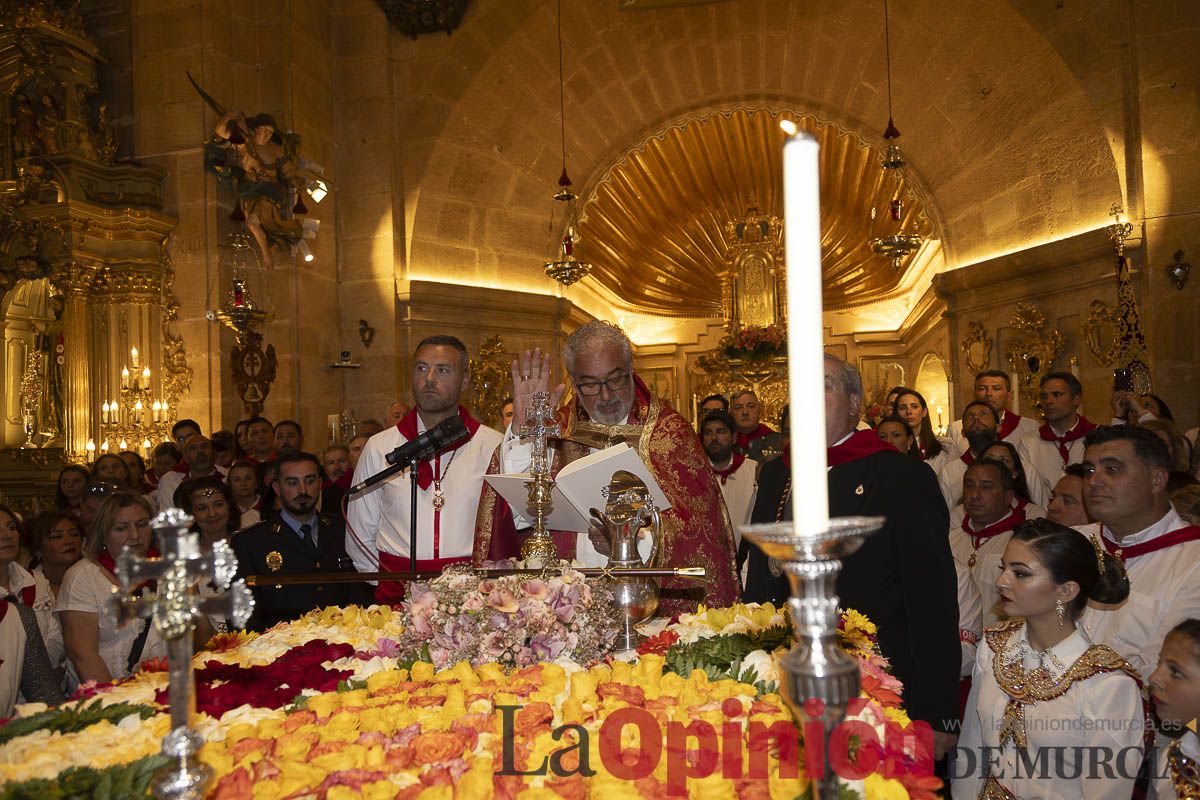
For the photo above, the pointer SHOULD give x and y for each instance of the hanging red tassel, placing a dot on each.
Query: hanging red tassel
(238, 214)
(235, 135)
(299, 208)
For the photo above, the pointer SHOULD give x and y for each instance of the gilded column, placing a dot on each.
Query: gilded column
(76, 281)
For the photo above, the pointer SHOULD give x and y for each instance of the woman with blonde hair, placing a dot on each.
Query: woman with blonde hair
(97, 650)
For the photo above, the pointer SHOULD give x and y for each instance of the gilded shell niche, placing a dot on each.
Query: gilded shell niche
(654, 224)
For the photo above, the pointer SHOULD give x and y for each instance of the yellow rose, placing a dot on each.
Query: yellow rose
(422, 671)
(879, 788)
(385, 680)
(324, 704)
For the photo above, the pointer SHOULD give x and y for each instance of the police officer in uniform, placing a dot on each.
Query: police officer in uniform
(296, 539)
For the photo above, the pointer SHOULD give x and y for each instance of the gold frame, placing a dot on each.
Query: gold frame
(1033, 350)
(1100, 316)
(976, 335)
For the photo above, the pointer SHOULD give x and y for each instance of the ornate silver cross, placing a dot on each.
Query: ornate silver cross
(539, 424)
(173, 612)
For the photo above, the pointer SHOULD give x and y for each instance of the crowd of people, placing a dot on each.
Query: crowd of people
(1031, 578)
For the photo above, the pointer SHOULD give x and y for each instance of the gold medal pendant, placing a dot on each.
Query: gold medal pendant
(274, 561)
(439, 499)
(971, 561)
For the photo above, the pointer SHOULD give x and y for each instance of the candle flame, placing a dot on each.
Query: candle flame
(788, 126)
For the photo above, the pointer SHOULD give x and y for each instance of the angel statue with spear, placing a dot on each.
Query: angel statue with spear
(264, 167)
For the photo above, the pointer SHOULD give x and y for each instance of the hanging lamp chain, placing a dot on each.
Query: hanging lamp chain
(563, 180)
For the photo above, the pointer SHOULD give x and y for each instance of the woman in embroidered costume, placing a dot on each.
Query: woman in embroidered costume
(1045, 702)
(1175, 689)
(96, 649)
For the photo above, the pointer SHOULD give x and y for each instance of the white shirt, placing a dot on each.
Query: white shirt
(1164, 590)
(1161, 785)
(987, 564)
(164, 495)
(249, 517)
(950, 479)
(738, 491)
(970, 618)
(378, 519)
(1042, 460)
(43, 609)
(86, 587)
(1026, 425)
(1102, 711)
(515, 458)
(12, 659)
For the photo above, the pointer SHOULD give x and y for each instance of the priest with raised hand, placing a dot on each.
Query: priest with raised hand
(448, 486)
(612, 405)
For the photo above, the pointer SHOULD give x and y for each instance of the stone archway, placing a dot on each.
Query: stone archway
(996, 125)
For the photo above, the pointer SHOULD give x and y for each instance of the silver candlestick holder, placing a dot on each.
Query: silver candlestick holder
(173, 611)
(816, 667)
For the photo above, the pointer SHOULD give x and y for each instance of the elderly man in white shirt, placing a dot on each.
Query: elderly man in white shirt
(1126, 487)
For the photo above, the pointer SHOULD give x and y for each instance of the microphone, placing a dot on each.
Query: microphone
(447, 433)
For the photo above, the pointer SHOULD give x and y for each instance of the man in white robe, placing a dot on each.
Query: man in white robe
(1058, 442)
(1126, 488)
(736, 474)
(994, 387)
(449, 485)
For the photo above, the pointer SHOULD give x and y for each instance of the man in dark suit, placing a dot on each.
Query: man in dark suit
(296, 539)
(903, 576)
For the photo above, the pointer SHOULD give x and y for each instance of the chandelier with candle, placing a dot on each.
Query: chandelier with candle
(239, 309)
(562, 264)
(137, 419)
(896, 243)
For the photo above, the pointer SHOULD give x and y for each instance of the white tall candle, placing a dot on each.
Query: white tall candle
(806, 346)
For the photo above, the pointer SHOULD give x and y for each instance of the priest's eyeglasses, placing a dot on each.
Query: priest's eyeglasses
(616, 383)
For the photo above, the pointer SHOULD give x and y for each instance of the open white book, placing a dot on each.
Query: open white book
(580, 486)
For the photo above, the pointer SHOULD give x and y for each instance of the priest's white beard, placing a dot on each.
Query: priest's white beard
(618, 417)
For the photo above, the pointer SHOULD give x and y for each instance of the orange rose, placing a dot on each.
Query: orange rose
(430, 748)
(533, 716)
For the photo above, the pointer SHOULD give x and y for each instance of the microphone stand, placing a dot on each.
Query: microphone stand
(412, 521)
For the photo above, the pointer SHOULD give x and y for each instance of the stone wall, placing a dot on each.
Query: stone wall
(1024, 121)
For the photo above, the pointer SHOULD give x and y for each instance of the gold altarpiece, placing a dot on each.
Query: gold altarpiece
(84, 270)
(754, 309)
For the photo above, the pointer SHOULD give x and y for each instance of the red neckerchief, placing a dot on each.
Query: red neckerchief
(995, 529)
(1008, 424)
(408, 429)
(182, 466)
(968, 457)
(28, 595)
(860, 445)
(1187, 534)
(744, 439)
(723, 474)
(1078, 432)
(105, 560)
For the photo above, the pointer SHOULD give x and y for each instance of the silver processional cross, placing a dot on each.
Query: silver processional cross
(173, 611)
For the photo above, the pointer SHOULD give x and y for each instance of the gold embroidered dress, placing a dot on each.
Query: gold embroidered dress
(1034, 719)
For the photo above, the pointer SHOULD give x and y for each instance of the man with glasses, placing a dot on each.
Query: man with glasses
(613, 405)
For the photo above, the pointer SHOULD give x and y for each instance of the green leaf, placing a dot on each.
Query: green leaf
(120, 782)
(71, 720)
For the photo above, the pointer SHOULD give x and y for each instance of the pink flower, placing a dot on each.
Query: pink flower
(502, 600)
(536, 589)
(486, 586)
(473, 602)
